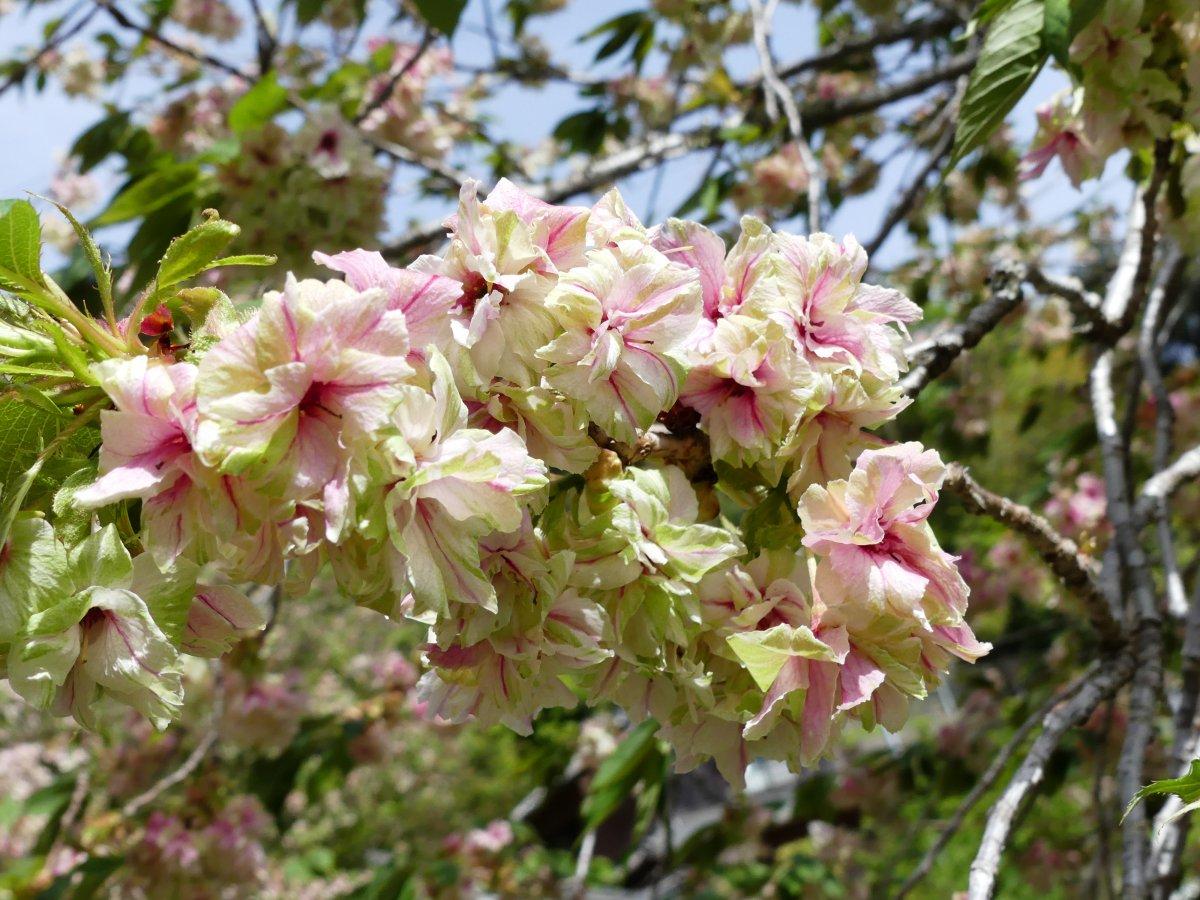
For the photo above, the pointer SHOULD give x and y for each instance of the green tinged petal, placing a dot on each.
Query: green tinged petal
(34, 574)
(764, 653)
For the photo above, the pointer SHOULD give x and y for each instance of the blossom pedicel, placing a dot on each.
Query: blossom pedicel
(592, 458)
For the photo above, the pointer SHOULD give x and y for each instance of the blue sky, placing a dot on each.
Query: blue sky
(40, 126)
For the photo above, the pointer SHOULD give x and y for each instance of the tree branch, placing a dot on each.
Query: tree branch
(776, 94)
(935, 356)
(988, 779)
(1064, 716)
(1074, 569)
(666, 145)
(1160, 300)
(1147, 623)
(382, 96)
(917, 189)
(61, 35)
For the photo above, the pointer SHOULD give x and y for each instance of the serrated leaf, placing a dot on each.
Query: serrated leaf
(24, 430)
(444, 15)
(1012, 55)
(94, 257)
(194, 251)
(258, 106)
(1186, 787)
(150, 193)
(20, 242)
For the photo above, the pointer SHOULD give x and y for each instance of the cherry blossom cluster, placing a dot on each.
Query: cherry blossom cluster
(594, 459)
(1138, 68)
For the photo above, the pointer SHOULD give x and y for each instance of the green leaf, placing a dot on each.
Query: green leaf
(989, 9)
(307, 11)
(20, 242)
(1082, 13)
(51, 801)
(1186, 788)
(70, 355)
(259, 105)
(102, 139)
(82, 882)
(1012, 56)
(443, 15)
(1056, 30)
(71, 521)
(24, 430)
(151, 193)
(94, 257)
(193, 252)
(243, 259)
(620, 773)
(583, 131)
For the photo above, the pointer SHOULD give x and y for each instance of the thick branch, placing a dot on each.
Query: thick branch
(1076, 570)
(1164, 426)
(1064, 716)
(987, 780)
(1165, 483)
(1148, 624)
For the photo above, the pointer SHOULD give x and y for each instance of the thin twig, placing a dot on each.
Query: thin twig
(150, 34)
(61, 35)
(264, 38)
(934, 357)
(442, 170)
(381, 97)
(777, 94)
(199, 752)
(189, 765)
(918, 188)
(668, 145)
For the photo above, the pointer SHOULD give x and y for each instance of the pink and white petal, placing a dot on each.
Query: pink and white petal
(859, 679)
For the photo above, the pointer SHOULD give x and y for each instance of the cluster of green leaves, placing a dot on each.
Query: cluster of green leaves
(49, 398)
